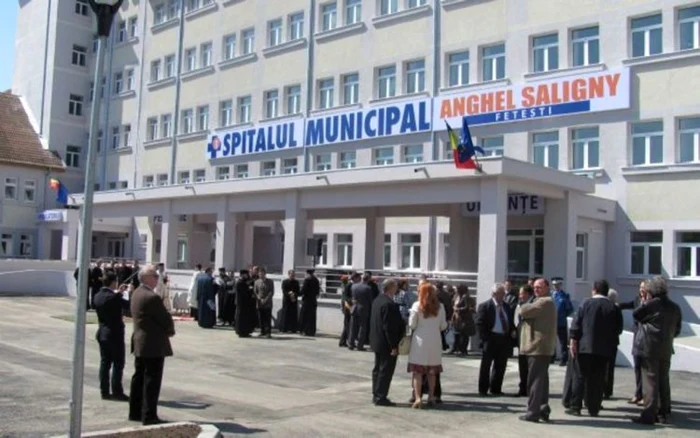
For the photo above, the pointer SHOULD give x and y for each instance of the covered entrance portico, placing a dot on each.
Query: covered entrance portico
(477, 206)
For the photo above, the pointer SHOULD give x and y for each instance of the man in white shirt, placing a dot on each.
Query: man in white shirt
(193, 291)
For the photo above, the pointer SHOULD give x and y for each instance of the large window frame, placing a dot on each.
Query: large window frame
(493, 62)
(386, 81)
(689, 140)
(343, 250)
(646, 245)
(688, 254)
(585, 46)
(545, 149)
(647, 146)
(545, 53)
(458, 69)
(410, 244)
(689, 28)
(646, 36)
(585, 148)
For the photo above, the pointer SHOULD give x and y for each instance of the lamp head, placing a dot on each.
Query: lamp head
(107, 2)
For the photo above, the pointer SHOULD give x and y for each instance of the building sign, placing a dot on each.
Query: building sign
(386, 121)
(601, 91)
(518, 205)
(159, 219)
(248, 141)
(50, 216)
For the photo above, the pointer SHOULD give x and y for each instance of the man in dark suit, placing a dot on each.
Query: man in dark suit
(594, 337)
(387, 330)
(96, 275)
(109, 305)
(494, 324)
(361, 312)
(150, 344)
(346, 306)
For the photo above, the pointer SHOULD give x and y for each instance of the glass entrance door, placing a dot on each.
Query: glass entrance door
(525, 253)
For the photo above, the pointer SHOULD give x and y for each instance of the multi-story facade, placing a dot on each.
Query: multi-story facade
(220, 97)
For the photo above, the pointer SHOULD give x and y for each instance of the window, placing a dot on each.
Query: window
(271, 104)
(187, 121)
(203, 118)
(323, 259)
(585, 46)
(351, 89)
(183, 177)
(689, 24)
(160, 15)
(289, 166)
(447, 150)
(6, 244)
(116, 136)
(348, 160)
(458, 69)
(92, 90)
(410, 251)
(343, 249)
(248, 41)
(26, 245)
(173, 9)
(205, 55)
(585, 148)
(646, 36)
(323, 162)
(169, 66)
(226, 108)
(190, 59)
(545, 149)
(223, 173)
(191, 5)
(133, 27)
(525, 252)
(81, 7)
(162, 179)
(388, 7)
(127, 135)
(148, 181)
(293, 99)
(121, 33)
(415, 77)
(10, 188)
(102, 87)
(166, 124)
(99, 140)
(244, 109)
(387, 251)
(73, 156)
(325, 93)
(581, 260)
(413, 153)
(645, 255)
(112, 185)
(200, 175)
(545, 53)
(353, 11)
(386, 82)
(274, 33)
(384, 156)
(95, 43)
(229, 47)
(329, 16)
(241, 171)
(118, 82)
(493, 62)
(689, 140)
(647, 143)
(129, 80)
(155, 70)
(445, 251)
(152, 128)
(416, 3)
(269, 168)
(688, 254)
(79, 55)
(493, 146)
(296, 26)
(75, 105)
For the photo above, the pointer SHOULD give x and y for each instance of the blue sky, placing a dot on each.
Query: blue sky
(8, 24)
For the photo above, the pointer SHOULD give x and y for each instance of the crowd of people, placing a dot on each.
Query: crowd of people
(394, 319)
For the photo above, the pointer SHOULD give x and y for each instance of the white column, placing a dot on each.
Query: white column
(431, 244)
(560, 240)
(455, 258)
(69, 241)
(330, 248)
(295, 234)
(168, 238)
(374, 241)
(244, 242)
(225, 254)
(151, 237)
(493, 223)
(43, 247)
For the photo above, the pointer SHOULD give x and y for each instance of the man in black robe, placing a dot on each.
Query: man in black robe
(290, 294)
(310, 291)
(229, 315)
(206, 297)
(246, 313)
(96, 275)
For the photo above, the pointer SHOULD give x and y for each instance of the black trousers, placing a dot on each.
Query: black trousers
(194, 313)
(383, 372)
(522, 370)
(359, 335)
(638, 392)
(657, 389)
(572, 371)
(265, 316)
(496, 353)
(588, 382)
(145, 388)
(563, 337)
(610, 377)
(345, 334)
(112, 356)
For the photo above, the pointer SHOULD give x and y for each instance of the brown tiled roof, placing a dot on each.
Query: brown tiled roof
(19, 142)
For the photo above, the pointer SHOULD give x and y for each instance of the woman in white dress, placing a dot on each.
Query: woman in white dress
(427, 320)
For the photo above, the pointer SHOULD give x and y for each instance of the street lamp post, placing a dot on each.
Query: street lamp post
(104, 11)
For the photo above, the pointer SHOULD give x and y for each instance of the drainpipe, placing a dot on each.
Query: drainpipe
(135, 141)
(106, 131)
(178, 84)
(432, 222)
(46, 68)
(310, 75)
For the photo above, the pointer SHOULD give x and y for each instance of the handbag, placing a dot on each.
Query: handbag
(405, 345)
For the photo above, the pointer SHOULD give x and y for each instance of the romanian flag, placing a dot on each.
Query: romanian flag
(61, 191)
(463, 150)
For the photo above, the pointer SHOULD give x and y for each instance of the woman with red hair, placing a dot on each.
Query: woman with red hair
(427, 319)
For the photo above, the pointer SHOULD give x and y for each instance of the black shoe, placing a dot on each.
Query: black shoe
(530, 419)
(574, 412)
(342, 344)
(361, 349)
(153, 421)
(497, 393)
(438, 400)
(521, 394)
(593, 414)
(483, 394)
(663, 419)
(351, 348)
(638, 420)
(545, 412)
(106, 397)
(133, 418)
(384, 402)
(120, 397)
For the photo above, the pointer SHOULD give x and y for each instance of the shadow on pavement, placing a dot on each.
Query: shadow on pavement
(183, 405)
(237, 429)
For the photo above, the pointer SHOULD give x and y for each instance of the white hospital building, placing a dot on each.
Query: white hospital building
(233, 130)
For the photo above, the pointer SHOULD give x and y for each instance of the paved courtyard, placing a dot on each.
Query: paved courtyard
(284, 387)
